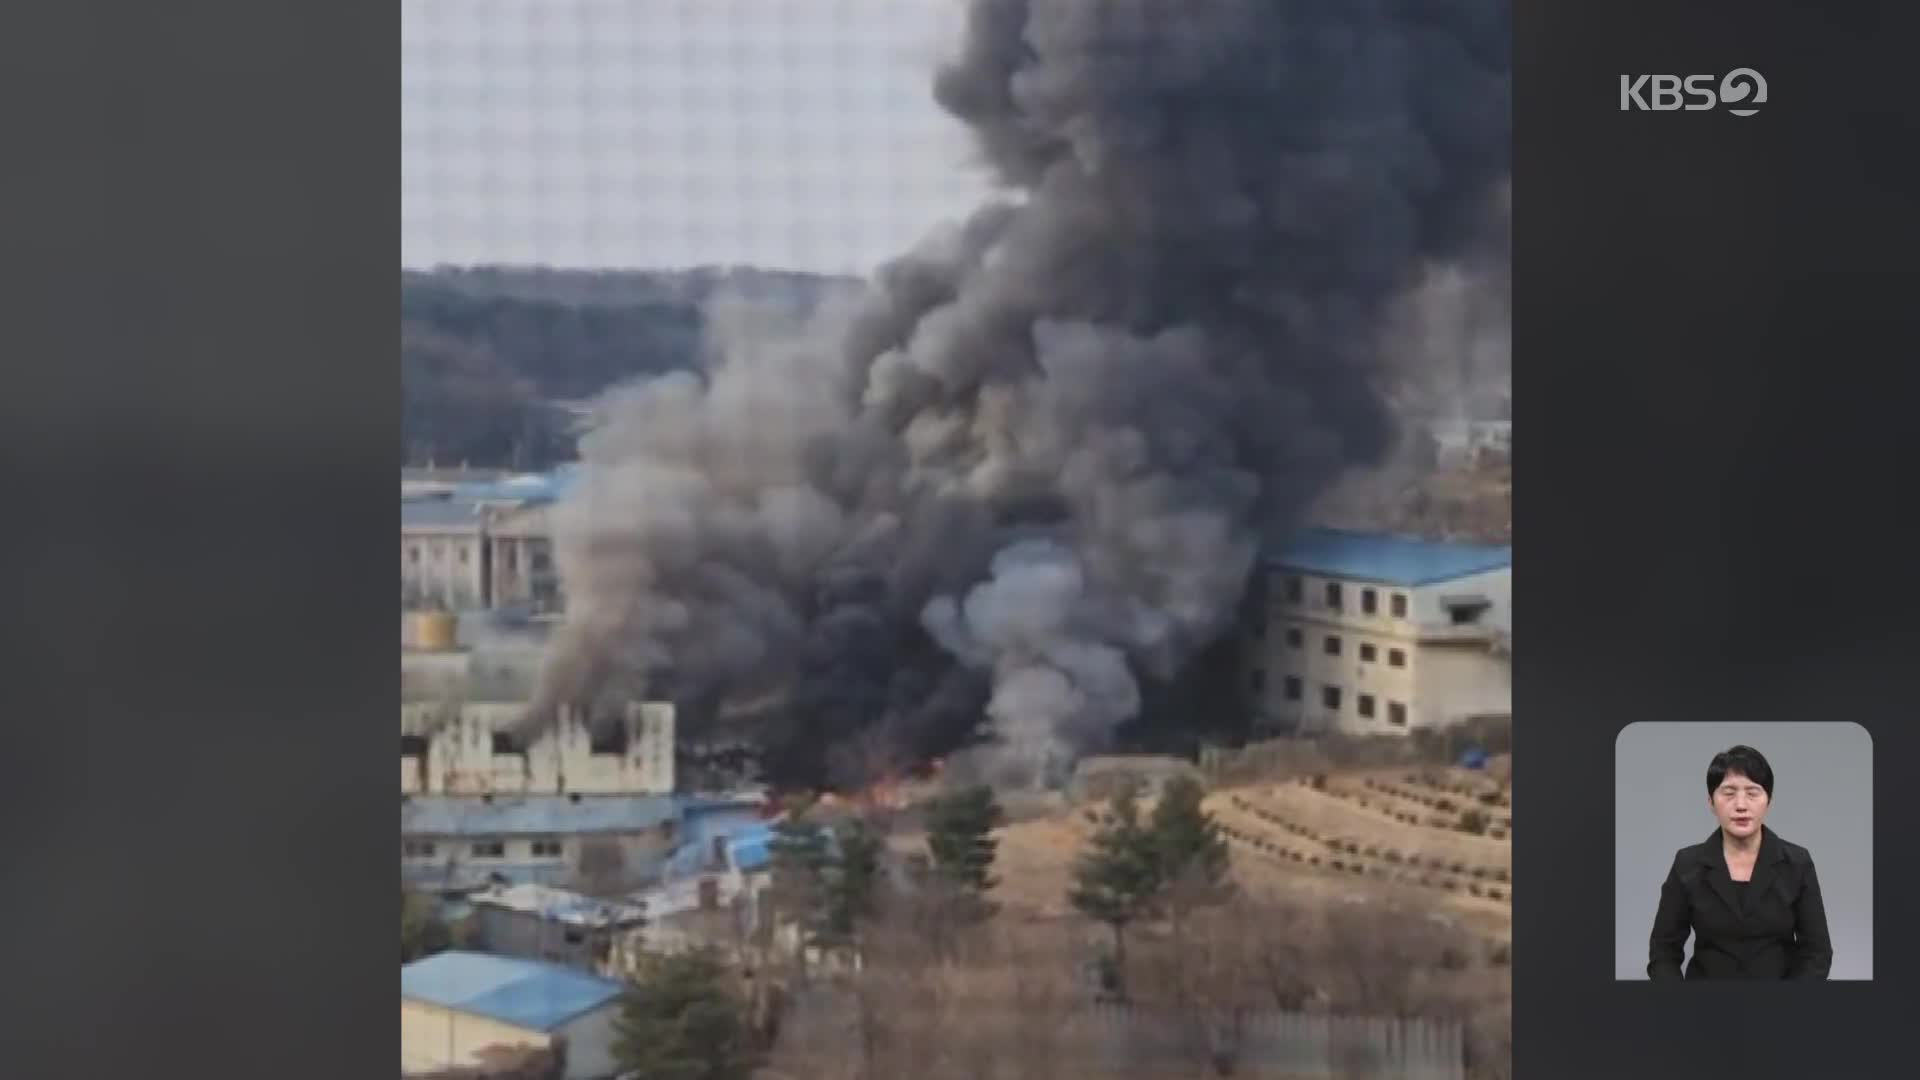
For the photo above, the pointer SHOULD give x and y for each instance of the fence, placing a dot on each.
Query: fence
(1140, 1042)
(1295, 1045)
(1290, 756)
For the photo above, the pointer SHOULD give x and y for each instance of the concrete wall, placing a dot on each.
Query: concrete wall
(1495, 585)
(460, 758)
(1456, 682)
(590, 1040)
(1353, 671)
(433, 1038)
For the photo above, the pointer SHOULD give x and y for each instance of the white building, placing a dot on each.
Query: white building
(480, 545)
(1365, 633)
(456, 1007)
(469, 748)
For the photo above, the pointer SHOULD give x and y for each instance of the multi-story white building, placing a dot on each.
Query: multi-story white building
(1369, 633)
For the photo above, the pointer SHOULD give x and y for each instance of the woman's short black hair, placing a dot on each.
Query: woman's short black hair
(1744, 760)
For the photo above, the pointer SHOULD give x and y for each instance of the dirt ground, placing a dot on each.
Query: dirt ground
(1036, 855)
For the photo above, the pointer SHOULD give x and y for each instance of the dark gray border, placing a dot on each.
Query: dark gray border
(1715, 314)
(196, 452)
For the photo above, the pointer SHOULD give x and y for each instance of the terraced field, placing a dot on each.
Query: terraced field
(1379, 834)
(1386, 830)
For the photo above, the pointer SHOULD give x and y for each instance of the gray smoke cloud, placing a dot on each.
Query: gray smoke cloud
(1035, 462)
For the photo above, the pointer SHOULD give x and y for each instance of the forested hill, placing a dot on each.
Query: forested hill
(487, 354)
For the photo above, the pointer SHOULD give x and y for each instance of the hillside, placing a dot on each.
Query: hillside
(488, 354)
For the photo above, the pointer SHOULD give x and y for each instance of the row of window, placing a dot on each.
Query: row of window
(482, 849)
(1332, 646)
(510, 557)
(1365, 705)
(1336, 598)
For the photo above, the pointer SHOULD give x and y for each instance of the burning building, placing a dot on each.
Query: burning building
(1019, 484)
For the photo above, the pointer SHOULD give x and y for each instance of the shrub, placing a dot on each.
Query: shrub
(1474, 821)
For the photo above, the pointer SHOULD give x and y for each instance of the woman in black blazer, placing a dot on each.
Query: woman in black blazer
(1749, 898)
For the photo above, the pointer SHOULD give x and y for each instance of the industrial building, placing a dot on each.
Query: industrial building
(481, 543)
(470, 748)
(555, 926)
(1370, 633)
(456, 845)
(457, 1009)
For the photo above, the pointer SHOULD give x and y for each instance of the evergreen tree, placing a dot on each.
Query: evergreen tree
(1192, 854)
(801, 859)
(683, 1022)
(422, 931)
(1117, 879)
(852, 881)
(960, 839)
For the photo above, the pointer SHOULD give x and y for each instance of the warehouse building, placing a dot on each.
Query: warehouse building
(458, 1009)
(1370, 633)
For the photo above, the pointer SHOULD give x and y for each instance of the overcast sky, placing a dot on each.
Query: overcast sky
(796, 134)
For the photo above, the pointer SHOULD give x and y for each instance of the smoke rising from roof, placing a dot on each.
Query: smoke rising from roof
(1035, 461)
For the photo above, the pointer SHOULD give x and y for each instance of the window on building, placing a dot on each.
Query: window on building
(1396, 658)
(489, 849)
(417, 849)
(608, 739)
(1294, 639)
(1368, 653)
(461, 553)
(548, 849)
(504, 743)
(1296, 590)
(1330, 697)
(1333, 645)
(1333, 595)
(1364, 706)
(413, 746)
(538, 561)
(1396, 713)
(1369, 601)
(511, 556)
(1466, 612)
(1399, 605)
(413, 554)
(1293, 688)
(1256, 680)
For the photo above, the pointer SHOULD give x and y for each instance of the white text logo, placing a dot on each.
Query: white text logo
(1741, 90)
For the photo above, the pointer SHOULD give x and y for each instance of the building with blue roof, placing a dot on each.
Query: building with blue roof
(481, 543)
(457, 1008)
(1373, 633)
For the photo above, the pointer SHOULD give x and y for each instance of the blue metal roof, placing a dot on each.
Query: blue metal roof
(524, 993)
(531, 487)
(750, 849)
(534, 815)
(1392, 560)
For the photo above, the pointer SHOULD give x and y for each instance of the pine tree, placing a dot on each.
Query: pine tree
(852, 881)
(1193, 857)
(801, 858)
(1117, 879)
(682, 1022)
(960, 838)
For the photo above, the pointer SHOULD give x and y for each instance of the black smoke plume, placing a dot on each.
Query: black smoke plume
(1032, 467)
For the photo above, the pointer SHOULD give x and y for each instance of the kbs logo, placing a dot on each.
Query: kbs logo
(1742, 90)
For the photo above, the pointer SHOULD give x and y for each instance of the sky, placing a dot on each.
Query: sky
(786, 134)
